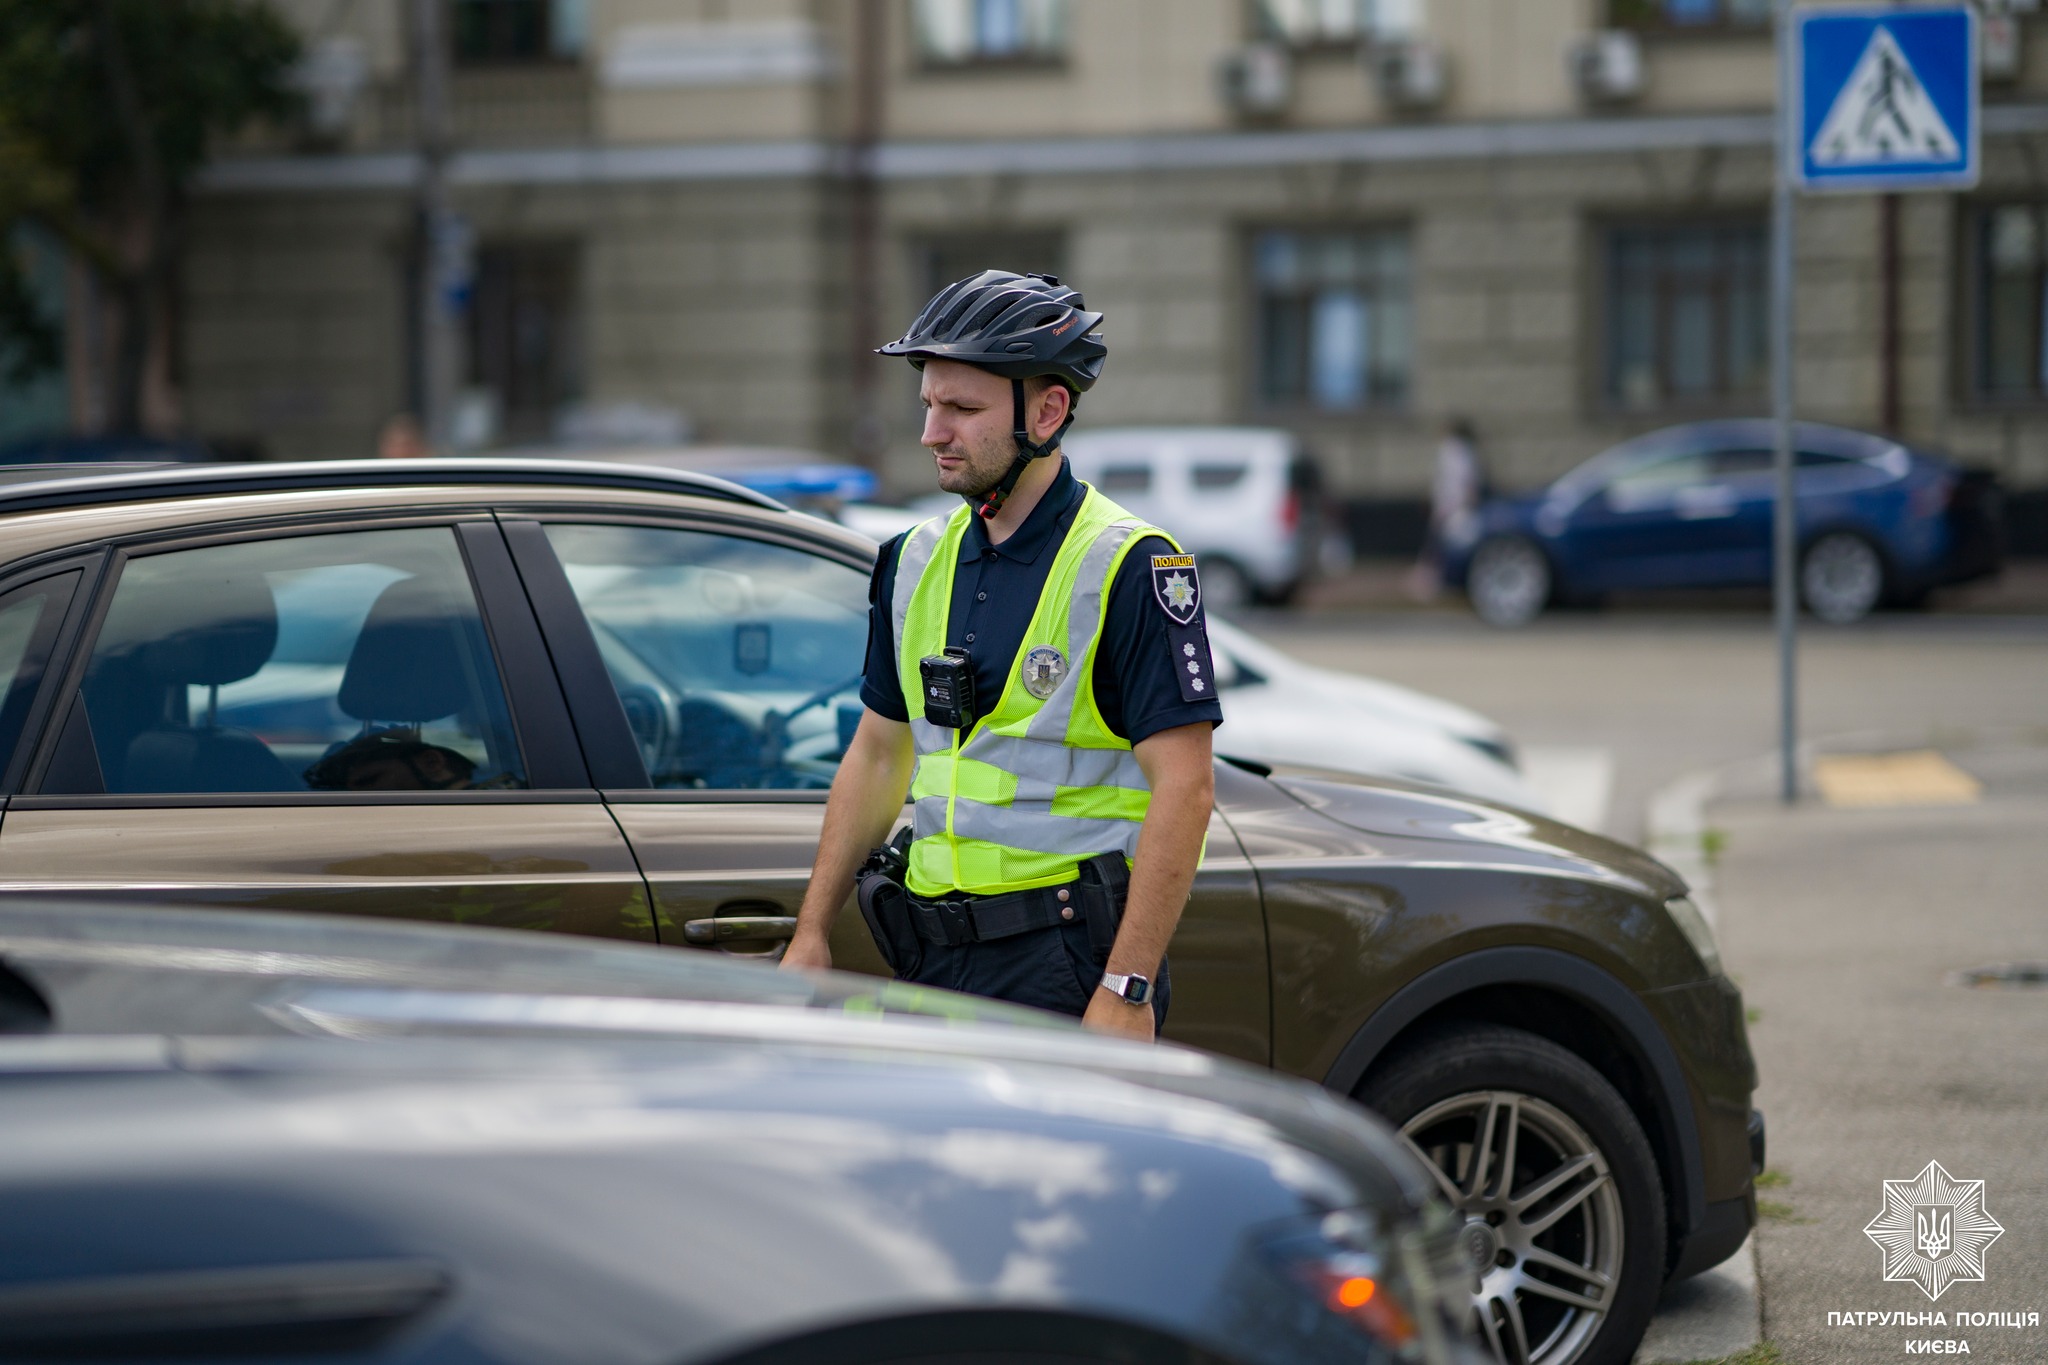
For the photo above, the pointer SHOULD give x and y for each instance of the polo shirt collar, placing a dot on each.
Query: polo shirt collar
(1040, 529)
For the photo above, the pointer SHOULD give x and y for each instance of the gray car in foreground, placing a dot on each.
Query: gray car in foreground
(294, 1137)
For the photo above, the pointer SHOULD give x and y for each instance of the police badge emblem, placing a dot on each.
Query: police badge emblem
(1044, 667)
(1175, 585)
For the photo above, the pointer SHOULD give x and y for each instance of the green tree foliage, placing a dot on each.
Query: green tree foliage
(107, 110)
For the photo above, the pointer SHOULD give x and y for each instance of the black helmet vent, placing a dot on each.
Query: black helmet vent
(1018, 326)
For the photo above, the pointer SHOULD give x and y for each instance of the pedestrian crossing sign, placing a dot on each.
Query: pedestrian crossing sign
(1884, 99)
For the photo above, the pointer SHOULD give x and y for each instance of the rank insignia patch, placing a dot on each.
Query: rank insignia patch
(1175, 585)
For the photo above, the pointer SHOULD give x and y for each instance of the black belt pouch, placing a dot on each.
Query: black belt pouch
(885, 905)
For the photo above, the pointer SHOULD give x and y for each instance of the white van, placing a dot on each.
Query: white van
(1247, 501)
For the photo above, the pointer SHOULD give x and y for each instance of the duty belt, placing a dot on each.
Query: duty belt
(1093, 897)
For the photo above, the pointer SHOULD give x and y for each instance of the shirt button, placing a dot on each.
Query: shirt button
(989, 555)
(970, 637)
(981, 597)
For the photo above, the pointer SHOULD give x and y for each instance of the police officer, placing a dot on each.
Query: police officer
(1038, 683)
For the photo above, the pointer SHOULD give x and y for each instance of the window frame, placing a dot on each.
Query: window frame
(1259, 27)
(1971, 352)
(981, 63)
(539, 717)
(608, 739)
(549, 56)
(1723, 26)
(1305, 413)
(1605, 400)
(36, 725)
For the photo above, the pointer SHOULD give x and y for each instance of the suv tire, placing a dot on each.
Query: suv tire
(1597, 1234)
(1508, 581)
(1841, 577)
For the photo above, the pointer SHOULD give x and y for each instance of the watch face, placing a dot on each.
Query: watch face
(1137, 990)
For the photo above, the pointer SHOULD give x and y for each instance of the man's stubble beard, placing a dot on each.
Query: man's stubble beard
(987, 463)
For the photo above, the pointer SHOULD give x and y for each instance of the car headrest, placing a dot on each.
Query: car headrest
(407, 663)
(204, 630)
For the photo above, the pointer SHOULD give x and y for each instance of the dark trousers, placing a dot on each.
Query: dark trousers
(1050, 969)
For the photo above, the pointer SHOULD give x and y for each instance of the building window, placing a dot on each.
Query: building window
(1315, 23)
(2012, 301)
(1686, 314)
(963, 32)
(1681, 15)
(1334, 318)
(523, 337)
(491, 32)
(948, 259)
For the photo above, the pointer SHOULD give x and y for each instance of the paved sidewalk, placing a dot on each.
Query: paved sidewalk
(1844, 928)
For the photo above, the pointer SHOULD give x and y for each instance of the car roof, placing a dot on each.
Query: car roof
(65, 487)
(1248, 440)
(57, 512)
(1729, 433)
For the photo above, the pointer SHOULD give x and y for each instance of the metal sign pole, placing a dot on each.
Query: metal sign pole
(1785, 531)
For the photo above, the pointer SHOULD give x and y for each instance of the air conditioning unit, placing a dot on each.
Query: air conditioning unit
(2000, 54)
(330, 75)
(1608, 67)
(1257, 80)
(1412, 76)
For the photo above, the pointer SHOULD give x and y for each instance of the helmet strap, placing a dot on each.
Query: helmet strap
(992, 502)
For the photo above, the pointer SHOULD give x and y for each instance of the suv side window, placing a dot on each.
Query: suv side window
(738, 662)
(29, 617)
(352, 661)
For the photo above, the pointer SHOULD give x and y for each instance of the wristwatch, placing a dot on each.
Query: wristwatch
(1132, 989)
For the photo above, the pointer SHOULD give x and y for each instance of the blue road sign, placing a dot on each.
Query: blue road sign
(1884, 99)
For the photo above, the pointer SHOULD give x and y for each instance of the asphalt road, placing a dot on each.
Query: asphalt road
(1674, 693)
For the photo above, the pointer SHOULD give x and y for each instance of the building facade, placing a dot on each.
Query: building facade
(1353, 218)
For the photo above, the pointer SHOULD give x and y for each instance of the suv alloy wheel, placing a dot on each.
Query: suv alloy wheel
(1508, 581)
(1841, 577)
(1563, 1208)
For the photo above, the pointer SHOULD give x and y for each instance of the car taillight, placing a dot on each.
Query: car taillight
(1290, 512)
(1931, 499)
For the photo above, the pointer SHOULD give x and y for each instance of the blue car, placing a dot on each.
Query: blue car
(1690, 507)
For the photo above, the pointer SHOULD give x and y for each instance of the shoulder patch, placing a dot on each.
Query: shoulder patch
(1175, 585)
(1191, 666)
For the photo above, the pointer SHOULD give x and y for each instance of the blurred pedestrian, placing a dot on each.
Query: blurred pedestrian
(1457, 486)
(401, 438)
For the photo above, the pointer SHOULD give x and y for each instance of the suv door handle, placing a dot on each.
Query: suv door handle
(729, 928)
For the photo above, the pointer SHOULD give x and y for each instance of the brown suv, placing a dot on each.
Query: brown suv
(609, 701)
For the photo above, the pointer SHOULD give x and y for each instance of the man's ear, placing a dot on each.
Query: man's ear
(1051, 406)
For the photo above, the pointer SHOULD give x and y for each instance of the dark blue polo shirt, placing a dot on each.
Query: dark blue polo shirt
(1141, 670)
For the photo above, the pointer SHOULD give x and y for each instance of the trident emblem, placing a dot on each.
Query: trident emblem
(1931, 1232)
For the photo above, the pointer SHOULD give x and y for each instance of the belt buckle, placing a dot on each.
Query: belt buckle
(949, 920)
(956, 919)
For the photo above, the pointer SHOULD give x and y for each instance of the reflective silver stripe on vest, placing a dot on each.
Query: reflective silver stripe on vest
(1083, 619)
(928, 816)
(1040, 831)
(918, 546)
(1052, 762)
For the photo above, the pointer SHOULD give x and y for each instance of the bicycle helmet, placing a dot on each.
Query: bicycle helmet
(1017, 326)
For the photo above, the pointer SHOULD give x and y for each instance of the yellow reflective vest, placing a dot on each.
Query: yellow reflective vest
(1040, 783)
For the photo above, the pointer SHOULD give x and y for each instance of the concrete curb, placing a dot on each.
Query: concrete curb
(1719, 1312)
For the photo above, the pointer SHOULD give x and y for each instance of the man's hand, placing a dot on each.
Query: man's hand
(1117, 1017)
(807, 952)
